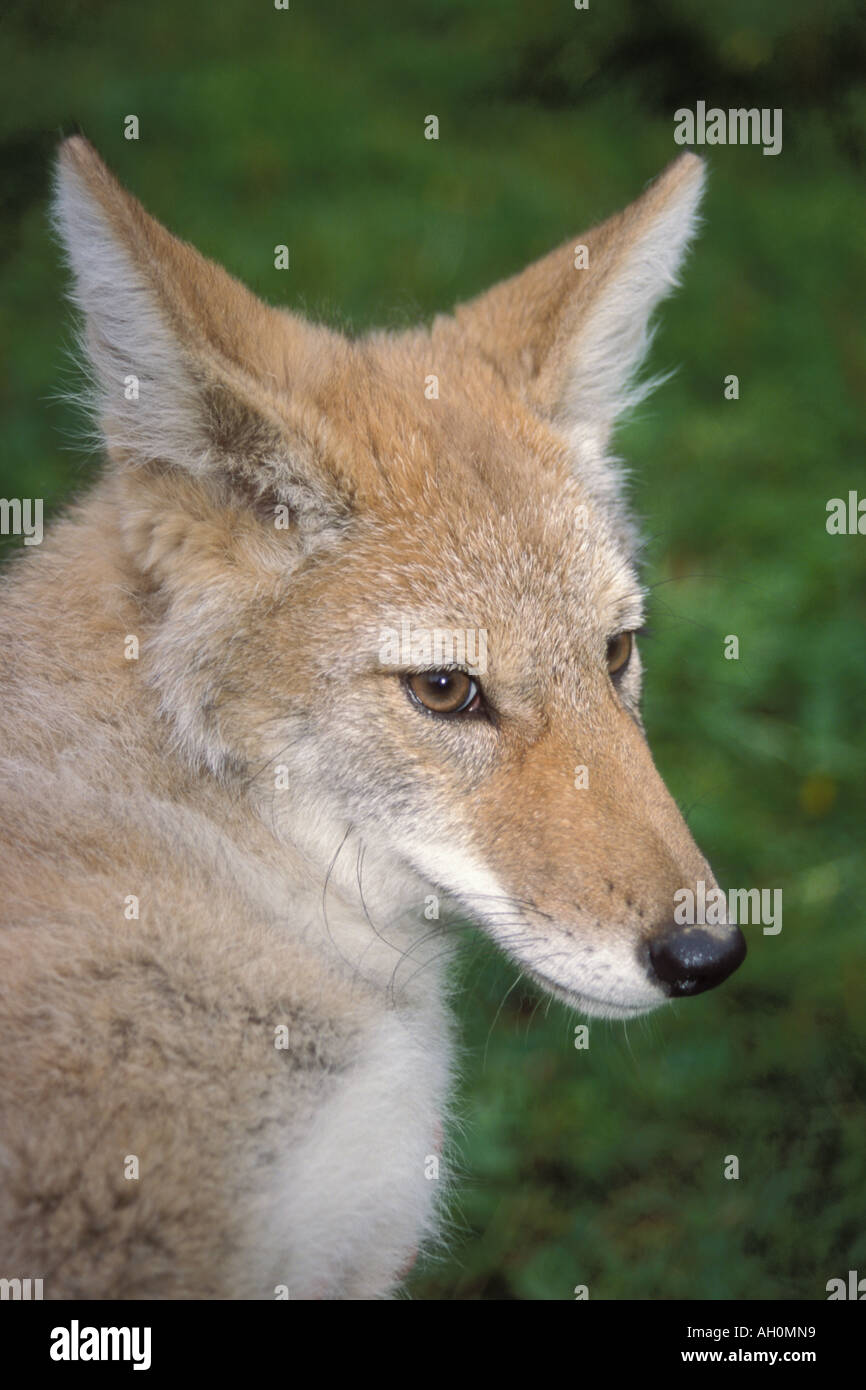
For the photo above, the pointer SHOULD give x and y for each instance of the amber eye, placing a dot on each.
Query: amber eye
(445, 692)
(618, 652)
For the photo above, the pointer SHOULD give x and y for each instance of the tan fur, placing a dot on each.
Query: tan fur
(259, 647)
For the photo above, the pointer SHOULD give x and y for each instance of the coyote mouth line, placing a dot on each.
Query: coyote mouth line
(588, 1003)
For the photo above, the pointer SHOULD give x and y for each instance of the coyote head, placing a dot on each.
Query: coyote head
(400, 570)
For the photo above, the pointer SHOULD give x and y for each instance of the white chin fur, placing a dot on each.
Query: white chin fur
(596, 1008)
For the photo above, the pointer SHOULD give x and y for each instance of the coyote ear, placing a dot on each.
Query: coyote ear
(571, 332)
(191, 369)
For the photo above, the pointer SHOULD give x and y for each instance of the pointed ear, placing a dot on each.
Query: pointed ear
(191, 370)
(571, 332)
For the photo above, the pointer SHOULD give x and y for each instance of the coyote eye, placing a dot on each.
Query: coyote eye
(618, 652)
(445, 692)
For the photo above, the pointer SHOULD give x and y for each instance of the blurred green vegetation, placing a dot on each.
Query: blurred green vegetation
(261, 126)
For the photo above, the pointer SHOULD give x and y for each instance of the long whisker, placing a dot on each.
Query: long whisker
(328, 931)
(495, 1018)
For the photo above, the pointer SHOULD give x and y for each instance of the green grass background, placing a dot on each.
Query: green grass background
(600, 1167)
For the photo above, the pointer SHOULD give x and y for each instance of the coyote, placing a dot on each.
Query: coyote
(242, 824)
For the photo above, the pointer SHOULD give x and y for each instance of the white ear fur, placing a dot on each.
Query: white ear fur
(126, 337)
(164, 387)
(613, 333)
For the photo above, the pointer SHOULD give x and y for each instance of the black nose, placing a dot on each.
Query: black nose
(689, 960)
